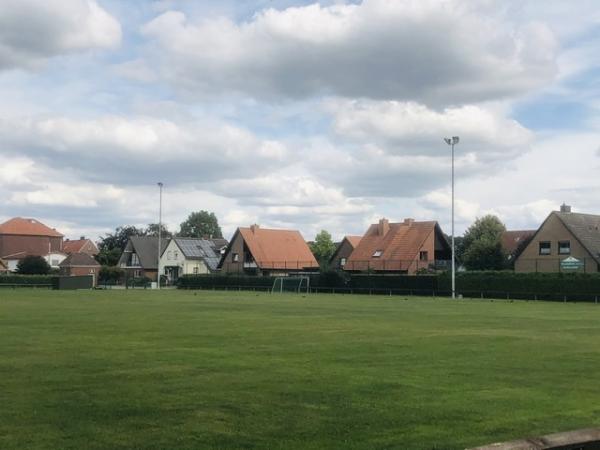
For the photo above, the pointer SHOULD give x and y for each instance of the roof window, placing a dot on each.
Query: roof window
(377, 253)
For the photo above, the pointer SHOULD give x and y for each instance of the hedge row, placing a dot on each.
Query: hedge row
(487, 284)
(28, 280)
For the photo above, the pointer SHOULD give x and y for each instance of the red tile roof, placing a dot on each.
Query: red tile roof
(511, 240)
(27, 227)
(399, 244)
(353, 240)
(278, 249)
(70, 246)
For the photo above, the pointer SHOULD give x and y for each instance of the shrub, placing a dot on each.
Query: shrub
(33, 265)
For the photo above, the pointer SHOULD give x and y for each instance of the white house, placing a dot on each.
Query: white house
(191, 256)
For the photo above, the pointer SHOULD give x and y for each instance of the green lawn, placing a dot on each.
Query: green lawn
(196, 370)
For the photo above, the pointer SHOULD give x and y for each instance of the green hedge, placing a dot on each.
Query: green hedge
(489, 284)
(28, 280)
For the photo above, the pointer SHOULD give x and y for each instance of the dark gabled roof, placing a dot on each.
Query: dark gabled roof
(146, 247)
(79, 260)
(202, 249)
(512, 239)
(353, 241)
(586, 228)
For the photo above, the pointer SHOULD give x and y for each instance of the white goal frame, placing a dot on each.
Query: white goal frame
(302, 286)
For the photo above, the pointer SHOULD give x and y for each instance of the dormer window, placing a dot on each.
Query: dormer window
(377, 253)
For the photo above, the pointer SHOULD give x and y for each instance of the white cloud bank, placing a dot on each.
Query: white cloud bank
(434, 52)
(32, 30)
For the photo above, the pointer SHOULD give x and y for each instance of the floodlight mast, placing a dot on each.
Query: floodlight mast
(452, 142)
(160, 188)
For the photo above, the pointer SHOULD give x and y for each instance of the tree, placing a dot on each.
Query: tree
(33, 265)
(201, 224)
(112, 245)
(482, 245)
(152, 230)
(323, 248)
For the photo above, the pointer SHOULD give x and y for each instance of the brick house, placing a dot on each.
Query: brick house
(403, 248)
(21, 237)
(79, 264)
(140, 257)
(262, 251)
(81, 245)
(343, 251)
(565, 242)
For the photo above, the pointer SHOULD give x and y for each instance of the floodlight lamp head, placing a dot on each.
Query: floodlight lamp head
(455, 139)
(448, 141)
(159, 184)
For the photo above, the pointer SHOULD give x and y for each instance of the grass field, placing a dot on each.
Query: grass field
(195, 370)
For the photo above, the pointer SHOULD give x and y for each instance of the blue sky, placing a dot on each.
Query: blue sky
(297, 114)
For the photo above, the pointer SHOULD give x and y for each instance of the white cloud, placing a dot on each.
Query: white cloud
(142, 149)
(32, 31)
(430, 51)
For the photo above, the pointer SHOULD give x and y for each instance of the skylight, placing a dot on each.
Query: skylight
(377, 253)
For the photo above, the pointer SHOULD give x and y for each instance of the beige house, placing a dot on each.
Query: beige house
(565, 242)
(191, 256)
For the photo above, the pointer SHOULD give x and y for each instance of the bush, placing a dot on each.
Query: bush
(33, 265)
(110, 275)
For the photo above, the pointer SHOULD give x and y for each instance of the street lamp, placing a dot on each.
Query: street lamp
(160, 188)
(452, 142)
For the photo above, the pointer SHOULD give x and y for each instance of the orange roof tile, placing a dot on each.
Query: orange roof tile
(27, 227)
(399, 244)
(75, 246)
(278, 249)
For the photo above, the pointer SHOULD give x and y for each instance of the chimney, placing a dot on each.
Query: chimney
(408, 222)
(564, 208)
(82, 238)
(383, 227)
(254, 227)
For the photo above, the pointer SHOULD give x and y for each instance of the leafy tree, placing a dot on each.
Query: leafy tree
(152, 230)
(323, 248)
(201, 224)
(112, 245)
(33, 265)
(483, 245)
(109, 274)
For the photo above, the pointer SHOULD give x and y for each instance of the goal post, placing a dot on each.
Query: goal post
(291, 284)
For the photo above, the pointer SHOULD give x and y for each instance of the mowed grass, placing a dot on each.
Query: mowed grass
(202, 370)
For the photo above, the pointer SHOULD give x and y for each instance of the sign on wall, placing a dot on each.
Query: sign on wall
(571, 263)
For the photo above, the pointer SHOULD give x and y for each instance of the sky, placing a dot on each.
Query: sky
(295, 114)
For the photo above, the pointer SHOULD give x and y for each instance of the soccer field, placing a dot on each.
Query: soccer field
(196, 370)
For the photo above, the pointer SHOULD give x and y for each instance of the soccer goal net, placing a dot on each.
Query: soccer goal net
(291, 284)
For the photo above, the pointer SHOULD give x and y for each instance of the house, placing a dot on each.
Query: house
(79, 264)
(81, 245)
(140, 257)
(565, 242)
(343, 251)
(185, 256)
(405, 248)
(21, 237)
(256, 250)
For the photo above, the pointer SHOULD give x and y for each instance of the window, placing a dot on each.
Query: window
(342, 262)
(137, 273)
(423, 256)
(195, 270)
(564, 247)
(169, 255)
(545, 248)
(235, 257)
(135, 261)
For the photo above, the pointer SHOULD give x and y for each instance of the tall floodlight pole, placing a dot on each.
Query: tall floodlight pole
(160, 188)
(452, 142)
